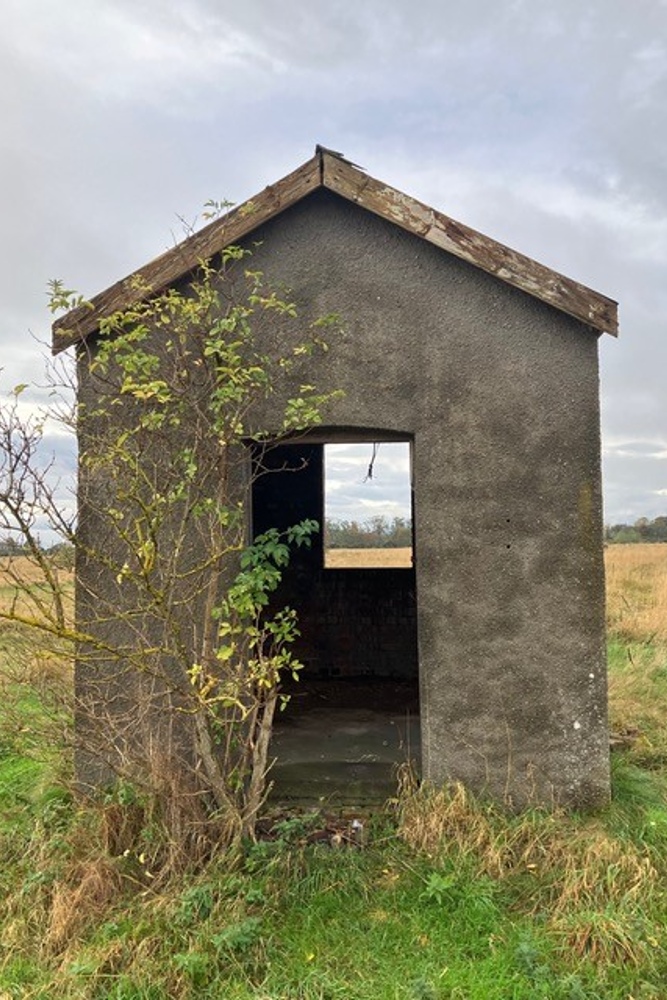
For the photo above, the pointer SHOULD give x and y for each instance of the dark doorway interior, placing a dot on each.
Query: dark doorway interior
(353, 715)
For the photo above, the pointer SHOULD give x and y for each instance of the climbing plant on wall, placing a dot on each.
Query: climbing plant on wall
(180, 651)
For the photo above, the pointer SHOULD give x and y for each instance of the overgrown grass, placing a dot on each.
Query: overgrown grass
(538, 906)
(448, 898)
(637, 592)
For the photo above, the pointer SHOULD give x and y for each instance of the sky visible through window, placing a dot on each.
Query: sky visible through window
(352, 495)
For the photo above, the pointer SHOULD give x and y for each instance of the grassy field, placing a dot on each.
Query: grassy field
(367, 558)
(637, 591)
(449, 898)
(23, 588)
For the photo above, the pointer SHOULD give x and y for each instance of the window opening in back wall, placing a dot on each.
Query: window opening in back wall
(368, 505)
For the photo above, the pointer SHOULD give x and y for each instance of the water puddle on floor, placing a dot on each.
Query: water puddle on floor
(339, 749)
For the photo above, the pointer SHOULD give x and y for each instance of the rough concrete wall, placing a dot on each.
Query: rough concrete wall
(500, 393)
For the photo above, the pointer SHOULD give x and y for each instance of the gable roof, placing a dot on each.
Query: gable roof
(330, 170)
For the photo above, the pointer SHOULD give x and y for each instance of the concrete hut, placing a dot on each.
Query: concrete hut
(485, 364)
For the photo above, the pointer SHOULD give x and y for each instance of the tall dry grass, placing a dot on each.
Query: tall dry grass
(637, 628)
(368, 558)
(590, 887)
(637, 591)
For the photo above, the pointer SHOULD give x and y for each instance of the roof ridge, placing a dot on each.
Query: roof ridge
(331, 170)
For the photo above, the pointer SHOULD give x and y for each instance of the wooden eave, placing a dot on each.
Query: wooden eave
(329, 170)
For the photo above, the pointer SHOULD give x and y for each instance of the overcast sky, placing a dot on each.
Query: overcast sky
(542, 123)
(363, 481)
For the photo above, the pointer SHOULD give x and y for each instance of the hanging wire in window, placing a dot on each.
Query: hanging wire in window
(374, 454)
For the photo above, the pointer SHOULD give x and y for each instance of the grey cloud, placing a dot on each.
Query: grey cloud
(636, 449)
(351, 495)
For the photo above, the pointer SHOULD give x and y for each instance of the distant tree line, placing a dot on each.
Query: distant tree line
(61, 552)
(375, 533)
(10, 547)
(643, 530)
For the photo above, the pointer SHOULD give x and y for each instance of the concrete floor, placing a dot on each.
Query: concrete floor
(341, 743)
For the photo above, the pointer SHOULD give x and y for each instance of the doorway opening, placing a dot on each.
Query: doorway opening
(353, 714)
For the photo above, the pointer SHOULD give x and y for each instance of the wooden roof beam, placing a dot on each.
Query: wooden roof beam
(332, 171)
(166, 269)
(504, 263)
